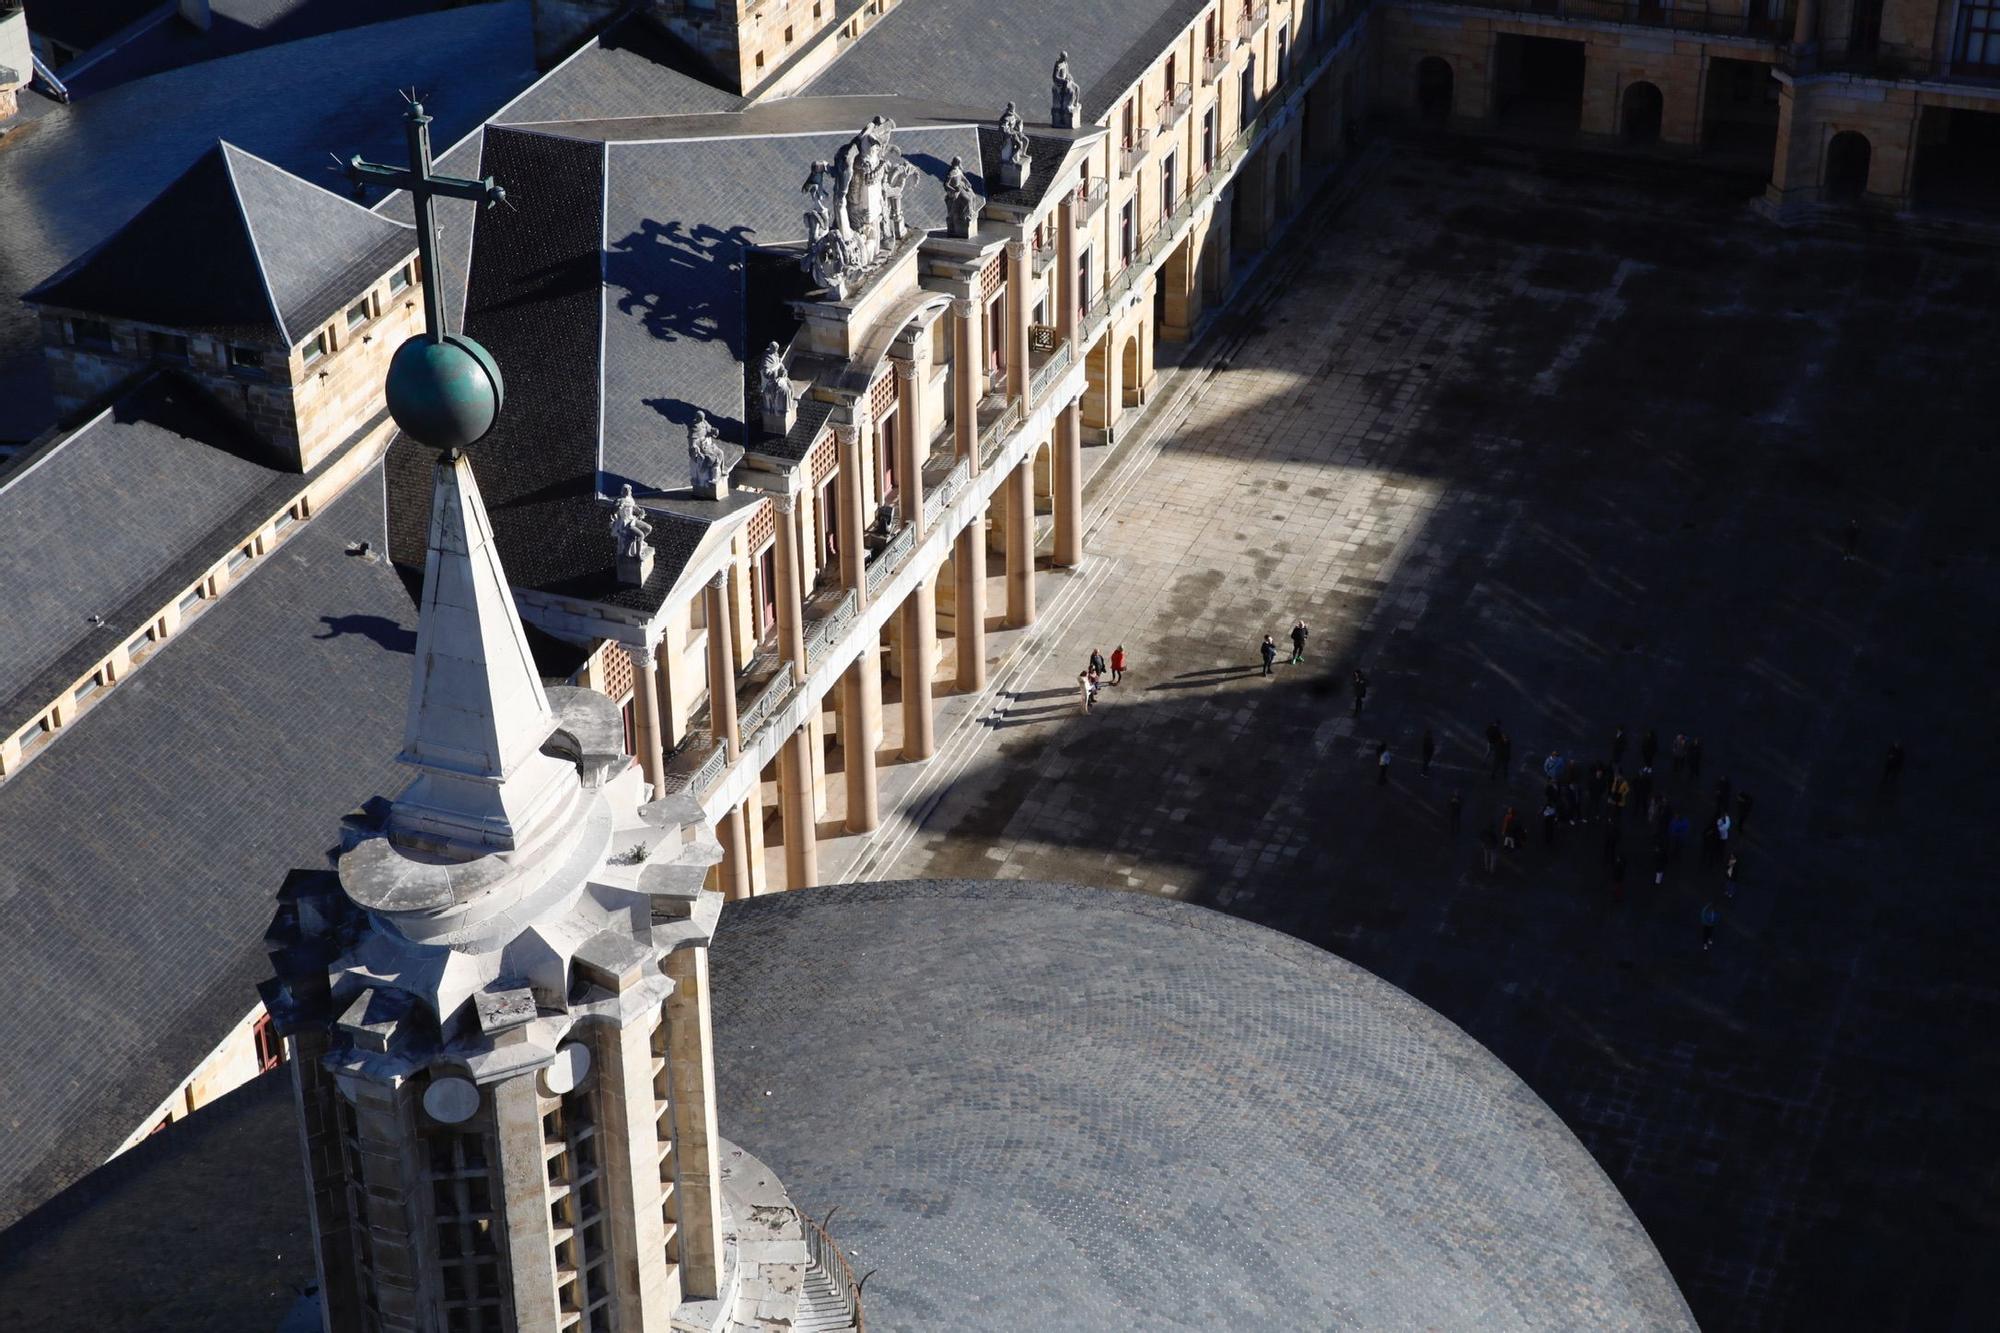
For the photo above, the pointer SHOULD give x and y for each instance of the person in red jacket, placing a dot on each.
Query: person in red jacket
(1118, 664)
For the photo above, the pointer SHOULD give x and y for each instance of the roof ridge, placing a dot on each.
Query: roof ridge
(341, 199)
(250, 229)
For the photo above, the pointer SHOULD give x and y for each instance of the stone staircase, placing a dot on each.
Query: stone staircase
(822, 1307)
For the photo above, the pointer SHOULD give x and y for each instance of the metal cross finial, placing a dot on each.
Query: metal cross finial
(424, 187)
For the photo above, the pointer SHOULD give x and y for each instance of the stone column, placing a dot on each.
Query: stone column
(791, 610)
(849, 519)
(522, 1174)
(691, 1068)
(860, 711)
(919, 663)
(967, 355)
(753, 836)
(646, 711)
(1017, 320)
(795, 803)
(1068, 487)
(1065, 295)
(968, 618)
(734, 876)
(1020, 488)
(629, 1147)
(912, 442)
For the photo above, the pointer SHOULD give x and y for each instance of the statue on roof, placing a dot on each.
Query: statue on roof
(775, 391)
(1065, 95)
(896, 173)
(705, 452)
(1015, 162)
(961, 203)
(818, 190)
(629, 526)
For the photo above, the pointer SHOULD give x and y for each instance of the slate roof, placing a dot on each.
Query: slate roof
(82, 24)
(1037, 1106)
(237, 248)
(81, 171)
(143, 850)
(979, 53)
(613, 295)
(101, 513)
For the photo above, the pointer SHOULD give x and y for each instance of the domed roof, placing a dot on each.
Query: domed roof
(1036, 1106)
(444, 394)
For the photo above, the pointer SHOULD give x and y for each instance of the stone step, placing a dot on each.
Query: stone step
(821, 1309)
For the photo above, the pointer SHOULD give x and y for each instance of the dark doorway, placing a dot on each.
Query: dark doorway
(1640, 120)
(1846, 178)
(1739, 111)
(1958, 161)
(1538, 82)
(1434, 89)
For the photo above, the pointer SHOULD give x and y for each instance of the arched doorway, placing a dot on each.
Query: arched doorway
(1846, 178)
(1284, 185)
(1128, 374)
(1045, 480)
(1640, 122)
(1434, 89)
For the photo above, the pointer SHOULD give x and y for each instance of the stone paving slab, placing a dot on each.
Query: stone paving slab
(1573, 452)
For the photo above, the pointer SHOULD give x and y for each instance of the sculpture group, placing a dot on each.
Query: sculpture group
(854, 208)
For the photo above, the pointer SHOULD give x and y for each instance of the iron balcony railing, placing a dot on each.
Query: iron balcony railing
(890, 559)
(1771, 19)
(1253, 22)
(824, 632)
(1045, 255)
(1214, 65)
(1090, 197)
(946, 491)
(993, 434)
(1174, 106)
(1135, 152)
(1049, 369)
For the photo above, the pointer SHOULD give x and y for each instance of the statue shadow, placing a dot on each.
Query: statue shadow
(382, 630)
(680, 283)
(938, 168)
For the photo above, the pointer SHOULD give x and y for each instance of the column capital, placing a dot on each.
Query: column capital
(782, 501)
(964, 307)
(1017, 251)
(847, 435)
(719, 580)
(643, 655)
(906, 369)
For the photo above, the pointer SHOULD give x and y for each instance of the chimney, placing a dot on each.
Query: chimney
(195, 14)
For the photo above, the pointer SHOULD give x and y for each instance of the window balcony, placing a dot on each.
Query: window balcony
(1134, 153)
(1253, 22)
(1090, 197)
(1048, 356)
(1214, 65)
(1045, 255)
(1174, 106)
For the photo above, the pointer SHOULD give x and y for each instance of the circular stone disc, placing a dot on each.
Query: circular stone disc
(450, 1100)
(572, 1065)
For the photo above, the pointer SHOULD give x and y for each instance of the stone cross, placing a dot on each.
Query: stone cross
(424, 186)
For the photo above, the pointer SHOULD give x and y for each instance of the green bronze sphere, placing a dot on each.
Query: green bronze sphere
(444, 394)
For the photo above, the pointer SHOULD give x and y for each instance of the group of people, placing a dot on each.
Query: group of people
(1091, 678)
(1579, 792)
(1268, 650)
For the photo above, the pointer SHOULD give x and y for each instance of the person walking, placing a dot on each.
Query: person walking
(1381, 763)
(1510, 830)
(1711, 848)
(1455, 809)
(1642, 791)
(1694, 757)
(1709, 916)
(1724, 789)
(1618, 747)
(1680, 753)
(1503, 756)
(1649, 747)
(1489, 849)
(1492, 741)
(1572, 802)
(1621, 792)
(1743, 804)
(1729, 870)
(1659, 861)
(1097, 665)
(1360, 690)
(1552, 767)
(1269, 652)
(1118, 664)
(1428, 749)
(1083, 692)
(1600, 785)
(1722, 829)
(1548, 823)
(1299, 633)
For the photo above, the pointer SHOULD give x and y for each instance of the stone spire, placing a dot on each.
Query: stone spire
(477, 715)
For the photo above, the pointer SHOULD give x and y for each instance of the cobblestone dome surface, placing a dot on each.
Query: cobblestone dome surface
(1036, 1106)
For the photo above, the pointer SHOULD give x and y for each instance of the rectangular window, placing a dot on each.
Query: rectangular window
(1208, 141)
(400, 280)
(788, 34)
(168, 347)
(1083, 292)
(88, 688)
(285, 520)
(764, 581)
(37, 735)
(1976, 49)
(1168, 184)
(1125, 128)
(1247, 94)
(1170, 75)
(315, 347)
(92, 333)
(141, 645)
(1128, 234)
(1208, 37)
(246, 360)
(239, 558)
(359, 314)
(1284, 52)
(190, 598)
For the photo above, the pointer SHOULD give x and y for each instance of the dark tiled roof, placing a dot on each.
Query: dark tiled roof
(96, 514)
(82, 24)
(978, 53)
(1045, 151)
(238, 248)
(144, 848)
(204, 1224)
(1107, 1089)
(83, 170)
(807, 428)
(235, 26)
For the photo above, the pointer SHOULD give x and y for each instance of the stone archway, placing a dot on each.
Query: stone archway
(1639, 121)
(1434, 89)
(1846, 176)
(1130, 379)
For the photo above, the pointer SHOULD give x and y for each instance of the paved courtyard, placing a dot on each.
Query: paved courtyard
(1533, 442)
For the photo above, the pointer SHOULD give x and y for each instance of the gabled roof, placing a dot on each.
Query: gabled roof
(236, 247)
